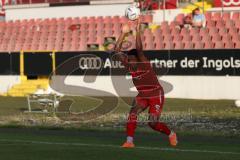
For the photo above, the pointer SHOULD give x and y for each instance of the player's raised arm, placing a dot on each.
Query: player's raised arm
(139, 46)
(125, 31)
(120, 55)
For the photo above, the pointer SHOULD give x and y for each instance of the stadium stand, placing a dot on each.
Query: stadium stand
(147, 4)
(54, 34)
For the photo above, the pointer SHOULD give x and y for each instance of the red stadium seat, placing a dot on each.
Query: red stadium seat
(168, 45)
(167, 37)
(220, 23)
(50, 46)
(91, 19)
(177, 38)
(74, 47)
(235, 38)
(226, 16)
(18, 47)
(237, 44)
(196, 38)
(208, 15)
(34, 46)
(226, 38)
(223, 31)
(233, 31)
(100, 27)
(58, 46)
(213, 30)
(147, 32)
(175, 31)
(178, 45)
(159, 46)
(42, 46)
(198, 45)
(83, 20)
(3, 47)
(216, 37)
(148, 46)
(92, 39)
(158, 39)
(188, 45)
(148, 37)
(219, 45)
(92, 26)
(157, 32)
(237, 23)
(229, 23)
(208, 45)
(184, 31)
(100, 40)
(228, 45)
(174, 24)
(235, 15)
(203, 31)
(194, 31)
(76, 20)
(82, 46)
(211, 23)
(186, 38)
(216, 16)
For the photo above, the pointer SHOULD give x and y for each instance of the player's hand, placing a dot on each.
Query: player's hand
(126, 28)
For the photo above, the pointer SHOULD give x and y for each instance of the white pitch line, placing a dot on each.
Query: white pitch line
(115, 146)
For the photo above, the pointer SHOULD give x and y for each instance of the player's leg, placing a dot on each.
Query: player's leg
(132, 121)
(155, 109)
(158, 126)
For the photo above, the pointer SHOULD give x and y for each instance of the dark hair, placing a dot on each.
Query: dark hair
(132, 52)
(196, 9)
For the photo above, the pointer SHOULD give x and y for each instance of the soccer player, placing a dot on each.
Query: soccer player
(150, 92)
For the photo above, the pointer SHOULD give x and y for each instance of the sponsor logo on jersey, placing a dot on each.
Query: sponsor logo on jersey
(157, 107)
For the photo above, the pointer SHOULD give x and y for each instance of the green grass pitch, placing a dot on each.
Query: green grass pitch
(35, 144)
(85, 142)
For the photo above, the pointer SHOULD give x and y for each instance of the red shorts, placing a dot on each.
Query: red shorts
(155, 104)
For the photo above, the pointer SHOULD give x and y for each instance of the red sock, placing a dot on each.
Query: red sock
(131, 124)
(160, 127)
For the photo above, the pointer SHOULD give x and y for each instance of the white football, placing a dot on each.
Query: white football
(237, 103)
(132, 12)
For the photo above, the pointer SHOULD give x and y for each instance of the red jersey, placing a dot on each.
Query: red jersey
(145, 79)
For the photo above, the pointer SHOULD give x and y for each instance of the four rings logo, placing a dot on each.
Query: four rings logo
(90, 63)
(231, 2)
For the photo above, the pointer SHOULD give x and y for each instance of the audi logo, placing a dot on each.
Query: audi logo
(231, 2)
(90, 63)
